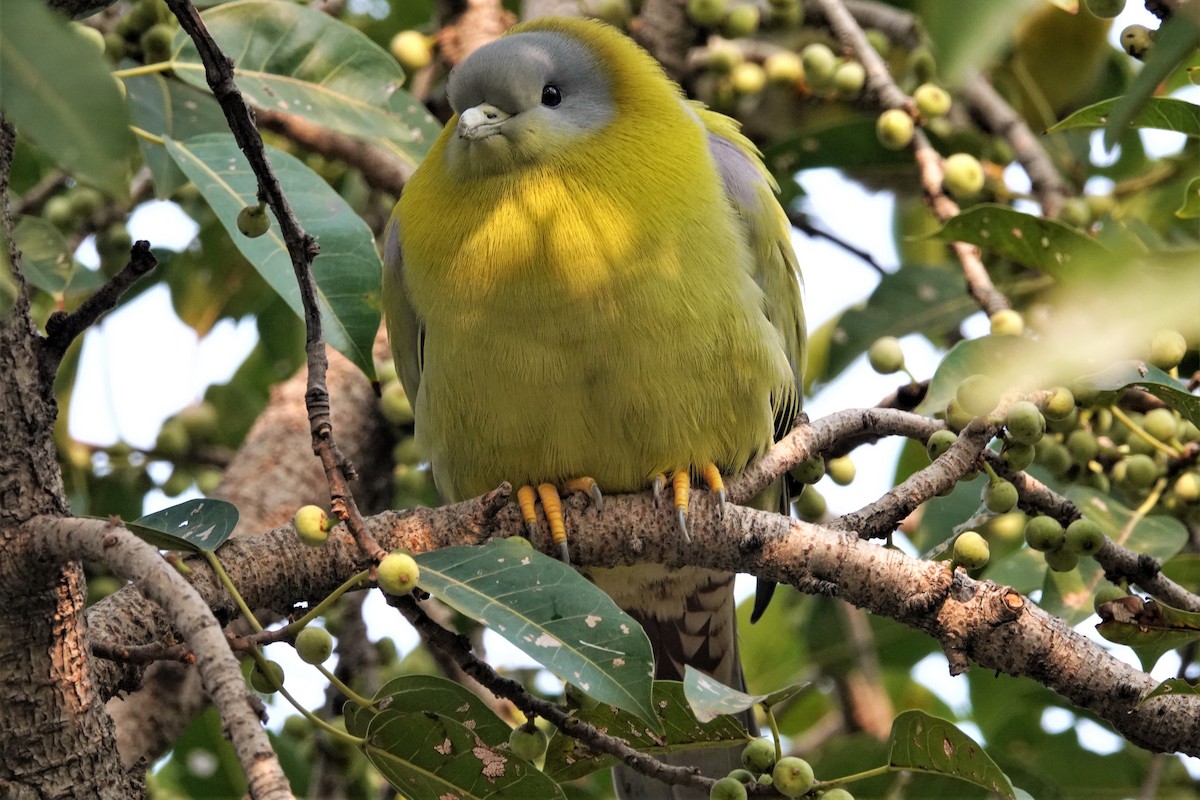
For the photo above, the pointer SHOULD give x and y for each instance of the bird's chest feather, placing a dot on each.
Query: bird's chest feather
(570, 335)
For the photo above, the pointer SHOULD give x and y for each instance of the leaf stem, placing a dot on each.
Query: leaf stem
(320, 608)
(1139, 431)
(354, 696)
(223, 576)
(857, 776)
(145, 69)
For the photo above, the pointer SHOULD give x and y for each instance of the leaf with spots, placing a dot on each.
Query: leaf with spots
(426, 756)
(926, 744)
(202, 524)
(568, 759)
(552, 613)
(1052, 247)
(440, 696)
(1151, 628)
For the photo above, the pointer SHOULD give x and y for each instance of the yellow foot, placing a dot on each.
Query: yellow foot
(681, 488)
(548, 493)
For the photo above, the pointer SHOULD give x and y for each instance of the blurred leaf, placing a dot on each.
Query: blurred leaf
(552, 613)
(1048, 245)
(568, 758)
(168, 108)
(845, 143)
(1160, 113)
(45, 254)
(430, 693)
(1191, 201)
(347, 271)
(1151, 630)
(1175, 40)
(923, 743)
(432, 757)
(71, 110)
(202, 524)
(297, 60)
(929, 300)
(966, 35)
(202, 763)
(1124, 374)
(985, 355)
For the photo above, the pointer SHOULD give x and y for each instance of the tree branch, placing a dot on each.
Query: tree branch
(132, 559)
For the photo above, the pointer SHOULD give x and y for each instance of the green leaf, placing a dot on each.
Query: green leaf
(170, 109)
(430, 693)
(297, 60)
(709, 698)
(46, 256)
(568, 758)
(1152, 630)
(552, 613)
(966, 35)
(1191, 201)
(429, 756)
(201, 524)
(1176, 39)
(347, 271)
(1054, 248)
(929, 300)
(844, 143)
(1124, 374)
(1172, 687)
(991, 355)
(1161, 113)
(68, 105)
(923, 743)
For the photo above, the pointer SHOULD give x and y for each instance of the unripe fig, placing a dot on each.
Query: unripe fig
(312, 525)
(932, 100)
(253, 221)
(894, 128)
(885, 355)
(1044, 534)
(758, 755)
(314, 645)
(528, 742)
(268, 682)
(971, 550)
(398, 573)
(963, 176)
(792, 777)
(411, 50)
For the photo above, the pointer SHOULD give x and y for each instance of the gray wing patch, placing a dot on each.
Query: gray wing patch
(406, 334)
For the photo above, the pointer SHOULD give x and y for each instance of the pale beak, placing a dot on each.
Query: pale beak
(480, 122)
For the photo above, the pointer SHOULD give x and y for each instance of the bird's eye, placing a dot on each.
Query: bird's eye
(551, 96)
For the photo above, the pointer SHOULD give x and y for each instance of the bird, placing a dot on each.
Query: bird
(589, 283)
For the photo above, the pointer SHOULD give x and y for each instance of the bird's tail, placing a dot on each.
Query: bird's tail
(689, 615)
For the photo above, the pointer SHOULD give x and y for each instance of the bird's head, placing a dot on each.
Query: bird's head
(542, 91)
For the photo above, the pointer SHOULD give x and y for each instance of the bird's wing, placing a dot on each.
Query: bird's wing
(406, 334)
(752, 192)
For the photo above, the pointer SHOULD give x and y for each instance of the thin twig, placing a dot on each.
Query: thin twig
(802, 223)
(458, 647)
(62, 328)
(881, 86)
(143, 654)
(302, 248)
